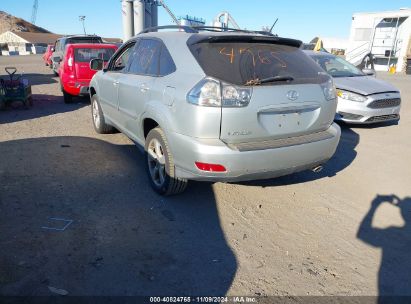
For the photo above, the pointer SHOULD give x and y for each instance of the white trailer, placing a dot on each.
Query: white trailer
(385, 35)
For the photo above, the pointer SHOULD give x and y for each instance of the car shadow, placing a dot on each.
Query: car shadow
(77, 215)
(35, 78)
(370, 126)
(43, 105)
(394, 277)
(343, 157)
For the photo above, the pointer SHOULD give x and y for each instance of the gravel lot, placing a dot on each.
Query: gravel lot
(304, 234)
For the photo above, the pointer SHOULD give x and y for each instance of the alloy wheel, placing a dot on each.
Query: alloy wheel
(96, 114)
(156, 162)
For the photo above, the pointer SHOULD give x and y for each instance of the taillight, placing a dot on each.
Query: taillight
(206, 93)
(327, 84)
(70, 60)
(210, 92)
(210, 167)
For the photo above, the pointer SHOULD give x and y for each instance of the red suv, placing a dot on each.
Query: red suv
(75, 73)
(47, 55)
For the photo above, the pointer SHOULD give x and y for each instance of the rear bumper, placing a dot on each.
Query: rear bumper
(77, 88)
(249, 165)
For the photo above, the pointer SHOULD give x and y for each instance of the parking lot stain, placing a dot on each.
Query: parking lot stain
(168, 215)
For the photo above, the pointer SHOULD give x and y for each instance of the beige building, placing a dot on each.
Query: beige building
(25, 43)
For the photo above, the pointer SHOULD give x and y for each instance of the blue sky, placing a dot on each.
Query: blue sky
(297, 19)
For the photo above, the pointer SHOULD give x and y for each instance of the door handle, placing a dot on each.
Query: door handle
(144, 88)
(115, 83)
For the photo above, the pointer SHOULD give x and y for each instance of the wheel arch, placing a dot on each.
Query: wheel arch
(148, 125)
(156, 114)
(93, 91)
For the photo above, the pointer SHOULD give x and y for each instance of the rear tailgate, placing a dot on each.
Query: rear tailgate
(277, 109)
(83, 56)
(271, 115)
(83, 71)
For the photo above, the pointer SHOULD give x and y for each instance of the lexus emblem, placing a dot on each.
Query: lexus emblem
(292, 95)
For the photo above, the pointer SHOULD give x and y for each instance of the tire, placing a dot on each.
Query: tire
(97, 117)
(67, 97)
(29, 102)
(54, 71)
(2, 105)
(61, 86)
(160, 165)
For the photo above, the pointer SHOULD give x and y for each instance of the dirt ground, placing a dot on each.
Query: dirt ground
(332, 233)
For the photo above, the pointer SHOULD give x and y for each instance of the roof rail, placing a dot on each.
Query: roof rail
(219, 29)
(187, 29)
(196, 29)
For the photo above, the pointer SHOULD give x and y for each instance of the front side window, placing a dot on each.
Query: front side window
(120, 63)
(57, 46)
(145, 59)
(62, 44)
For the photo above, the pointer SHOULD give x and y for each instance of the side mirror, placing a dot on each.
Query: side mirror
(96, 64)
(57, 59)
(369, 72)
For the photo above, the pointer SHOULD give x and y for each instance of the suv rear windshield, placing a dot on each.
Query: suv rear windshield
(241, 62)
(85, 55)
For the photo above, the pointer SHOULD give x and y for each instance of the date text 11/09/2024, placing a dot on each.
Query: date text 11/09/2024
(203, 300)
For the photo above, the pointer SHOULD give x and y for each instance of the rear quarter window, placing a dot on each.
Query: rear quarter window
(167, 65)
(238, 63)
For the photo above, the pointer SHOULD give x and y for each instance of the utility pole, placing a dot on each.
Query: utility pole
(82, 19)
(34, 11)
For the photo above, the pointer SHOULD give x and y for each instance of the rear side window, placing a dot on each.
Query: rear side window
(152, 58)
(240, 62)
(85, 55)
(145, 60)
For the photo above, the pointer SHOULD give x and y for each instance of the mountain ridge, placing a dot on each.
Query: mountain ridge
(9, 22)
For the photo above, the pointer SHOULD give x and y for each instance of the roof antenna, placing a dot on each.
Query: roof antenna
(271, 29)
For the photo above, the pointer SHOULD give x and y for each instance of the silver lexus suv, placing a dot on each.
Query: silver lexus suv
(217, 106)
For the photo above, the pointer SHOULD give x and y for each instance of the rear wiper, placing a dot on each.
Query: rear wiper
(268, 80)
